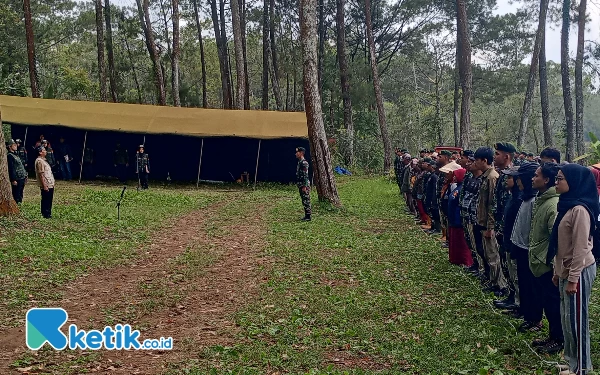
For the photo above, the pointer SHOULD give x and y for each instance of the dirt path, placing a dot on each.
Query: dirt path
(192, 302)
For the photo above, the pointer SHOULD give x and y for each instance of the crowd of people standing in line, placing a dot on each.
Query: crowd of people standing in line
(524, 226)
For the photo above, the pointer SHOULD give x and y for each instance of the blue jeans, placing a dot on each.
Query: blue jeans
(65, 170)
(574, 313)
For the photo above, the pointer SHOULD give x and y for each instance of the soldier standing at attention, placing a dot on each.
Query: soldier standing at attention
(303, 181)
(22, 153)
(16, 172)
(143, 167)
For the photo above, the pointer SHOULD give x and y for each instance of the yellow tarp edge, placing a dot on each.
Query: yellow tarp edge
(149, 119)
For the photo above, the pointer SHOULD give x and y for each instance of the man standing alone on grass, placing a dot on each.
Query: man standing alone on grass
(16, 172)
(303, 182)
(45, 179)
(484, 157)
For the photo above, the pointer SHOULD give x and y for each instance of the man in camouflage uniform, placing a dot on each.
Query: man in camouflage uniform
(303, 182)
(22, 152)
(503, 160)
(143, 167)
(16, 172)
(121, 162)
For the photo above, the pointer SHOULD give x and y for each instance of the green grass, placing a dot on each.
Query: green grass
(37, 256)
(361, 291)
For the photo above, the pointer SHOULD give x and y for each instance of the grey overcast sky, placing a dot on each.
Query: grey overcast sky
(553, 32)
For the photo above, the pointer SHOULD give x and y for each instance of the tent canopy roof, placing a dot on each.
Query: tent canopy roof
(149, 119)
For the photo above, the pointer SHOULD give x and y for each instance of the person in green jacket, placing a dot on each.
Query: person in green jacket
(544, 214)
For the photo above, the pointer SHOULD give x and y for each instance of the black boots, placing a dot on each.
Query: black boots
(306, 217)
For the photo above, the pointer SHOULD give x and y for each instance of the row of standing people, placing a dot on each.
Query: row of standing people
(526, 231)
(45, 167)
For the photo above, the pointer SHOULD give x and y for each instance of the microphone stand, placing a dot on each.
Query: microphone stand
(119, 204)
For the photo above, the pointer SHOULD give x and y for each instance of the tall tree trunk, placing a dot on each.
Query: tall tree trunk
(566, 80)
(169, 49)
(438, 108)
(274, 59)
(222, 53)
(144, 14)
(387, 147)
(8, 206)
(100, 48)
(202, 56)
(110, 50)
(246, 75)
(133, 70)
(33, 76)
(579, 78)
(239, 55)
(533, 70)
(457, 92)
(345, 80)
(321, 32)
(545, 102)
(175, 57)
(466, 74)
(265, 56)
(229, 76)
(325, 180)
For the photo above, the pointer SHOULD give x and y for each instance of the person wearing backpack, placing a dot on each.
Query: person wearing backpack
(571, 246)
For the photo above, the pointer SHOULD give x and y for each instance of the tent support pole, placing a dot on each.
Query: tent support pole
(144, 143)
(82, 156)
(257, 159)
(200, 163)
(25, 139)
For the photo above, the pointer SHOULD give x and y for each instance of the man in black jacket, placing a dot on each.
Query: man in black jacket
(16, 172)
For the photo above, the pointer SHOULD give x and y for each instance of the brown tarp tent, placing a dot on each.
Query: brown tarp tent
(175, 138)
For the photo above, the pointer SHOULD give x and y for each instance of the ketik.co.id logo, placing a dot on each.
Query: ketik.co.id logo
(43, 326)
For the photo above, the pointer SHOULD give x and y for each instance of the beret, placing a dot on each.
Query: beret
(505, 147)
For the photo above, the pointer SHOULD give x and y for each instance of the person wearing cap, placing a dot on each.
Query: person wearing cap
(303, 182)
(17, 175)
(143, 167)
(22, 152)
(45, 179)
(520, 240)
(442, 160)
(503, 161)
(548, 297)
(121, 162)
(484, 157)
(470, 198)
(422, 181)
(444, 196)
(458, 249)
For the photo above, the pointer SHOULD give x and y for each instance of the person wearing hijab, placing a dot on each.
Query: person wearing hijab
(458, 250)
(574, 264)
(511, 209)
(544, 214)
(529, 307)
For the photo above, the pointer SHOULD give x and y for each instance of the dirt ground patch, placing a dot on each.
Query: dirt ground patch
(200, 315)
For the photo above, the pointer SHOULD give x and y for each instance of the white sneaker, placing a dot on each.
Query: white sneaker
(562, 367)
(567, 372)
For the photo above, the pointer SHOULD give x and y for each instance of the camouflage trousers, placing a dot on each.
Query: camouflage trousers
(305, 196)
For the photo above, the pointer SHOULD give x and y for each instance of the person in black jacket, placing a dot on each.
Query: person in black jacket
(431, 201)
(16, 172)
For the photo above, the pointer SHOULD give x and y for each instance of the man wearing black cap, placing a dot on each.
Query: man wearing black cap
(143, 167)
(503, 161)
(484, 157)
(22, 153)
(16, 172)
(45, 179)
(431, 201)
(303, 182)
